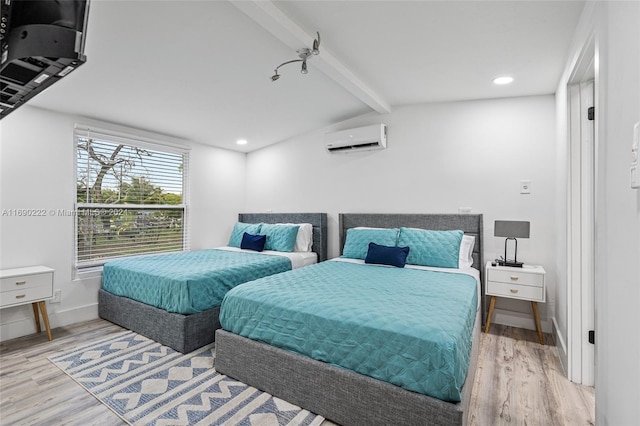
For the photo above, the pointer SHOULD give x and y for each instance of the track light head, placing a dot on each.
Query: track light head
(316, 45)
(304, 54)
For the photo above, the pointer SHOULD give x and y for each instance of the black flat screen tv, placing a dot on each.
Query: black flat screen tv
(41, 41)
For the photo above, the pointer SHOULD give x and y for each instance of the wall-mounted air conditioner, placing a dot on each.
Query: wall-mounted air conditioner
(366, 138)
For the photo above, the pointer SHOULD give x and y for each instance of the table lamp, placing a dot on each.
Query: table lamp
(511, 229)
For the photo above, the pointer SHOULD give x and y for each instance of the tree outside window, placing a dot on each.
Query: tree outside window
(130, 200)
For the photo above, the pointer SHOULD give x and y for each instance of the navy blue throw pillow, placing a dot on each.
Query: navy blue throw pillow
(385, 255)
(253, 242)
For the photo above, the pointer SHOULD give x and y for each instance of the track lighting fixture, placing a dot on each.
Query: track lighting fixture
(303, 54)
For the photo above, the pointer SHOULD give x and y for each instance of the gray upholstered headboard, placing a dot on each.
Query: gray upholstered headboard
(318, 220)
(470, 224)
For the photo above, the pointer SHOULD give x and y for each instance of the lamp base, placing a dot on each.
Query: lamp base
(510, 263)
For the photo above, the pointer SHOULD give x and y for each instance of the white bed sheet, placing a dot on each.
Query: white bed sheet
(466, 271)
(298, 258)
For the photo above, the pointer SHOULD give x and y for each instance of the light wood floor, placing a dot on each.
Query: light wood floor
(521, 382)
(518, 382)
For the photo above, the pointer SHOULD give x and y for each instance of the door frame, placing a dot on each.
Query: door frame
(581, 217)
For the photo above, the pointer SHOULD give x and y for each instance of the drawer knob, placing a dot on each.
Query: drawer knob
(514, 290)
(20, 296)
(514, 277)
(21, 282)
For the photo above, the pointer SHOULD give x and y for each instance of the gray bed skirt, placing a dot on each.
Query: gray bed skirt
(338, 394)
(184, 333)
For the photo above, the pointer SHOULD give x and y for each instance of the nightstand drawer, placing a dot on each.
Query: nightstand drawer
(515, 291)
(25, 281)
(26, 295)
(512, 276)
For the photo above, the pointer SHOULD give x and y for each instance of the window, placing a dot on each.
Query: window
(130, 197)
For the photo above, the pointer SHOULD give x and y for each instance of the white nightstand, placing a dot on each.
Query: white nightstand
(33, 285)
(526, 283)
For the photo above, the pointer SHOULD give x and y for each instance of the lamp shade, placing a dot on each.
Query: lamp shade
(511, 229)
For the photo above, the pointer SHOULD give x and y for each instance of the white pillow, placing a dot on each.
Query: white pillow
(304, 239)
(465, 259)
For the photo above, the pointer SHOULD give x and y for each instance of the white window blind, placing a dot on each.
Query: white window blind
(131, 197)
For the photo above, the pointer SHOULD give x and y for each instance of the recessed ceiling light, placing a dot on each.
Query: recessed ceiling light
(503, 80)
(241, 141)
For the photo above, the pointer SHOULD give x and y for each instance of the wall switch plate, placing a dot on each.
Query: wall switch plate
(635, 143)
(525, 187)
(57, 296)
(634, 171)
(464, 210)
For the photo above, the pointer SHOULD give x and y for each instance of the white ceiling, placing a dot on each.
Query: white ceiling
(200, 70)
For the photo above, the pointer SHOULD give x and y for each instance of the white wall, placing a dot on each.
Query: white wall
(440, 157)
(614, 27)
(36, 172)
(618, 213)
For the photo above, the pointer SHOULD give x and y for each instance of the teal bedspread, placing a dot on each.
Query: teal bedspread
(187, 282)
(409, 327)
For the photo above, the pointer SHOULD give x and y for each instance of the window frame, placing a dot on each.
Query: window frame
(136, 141)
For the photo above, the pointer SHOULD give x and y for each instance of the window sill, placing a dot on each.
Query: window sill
(87, 273)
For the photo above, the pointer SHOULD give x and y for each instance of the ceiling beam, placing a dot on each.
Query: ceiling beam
(288, 32)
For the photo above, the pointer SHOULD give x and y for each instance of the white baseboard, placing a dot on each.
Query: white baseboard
(25, 325)
(561, 346)
(519, 319)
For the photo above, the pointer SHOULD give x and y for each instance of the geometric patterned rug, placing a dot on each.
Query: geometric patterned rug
(146, 383)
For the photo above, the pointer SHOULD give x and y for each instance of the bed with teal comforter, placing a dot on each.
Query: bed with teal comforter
(187, 282)
(409, 327)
